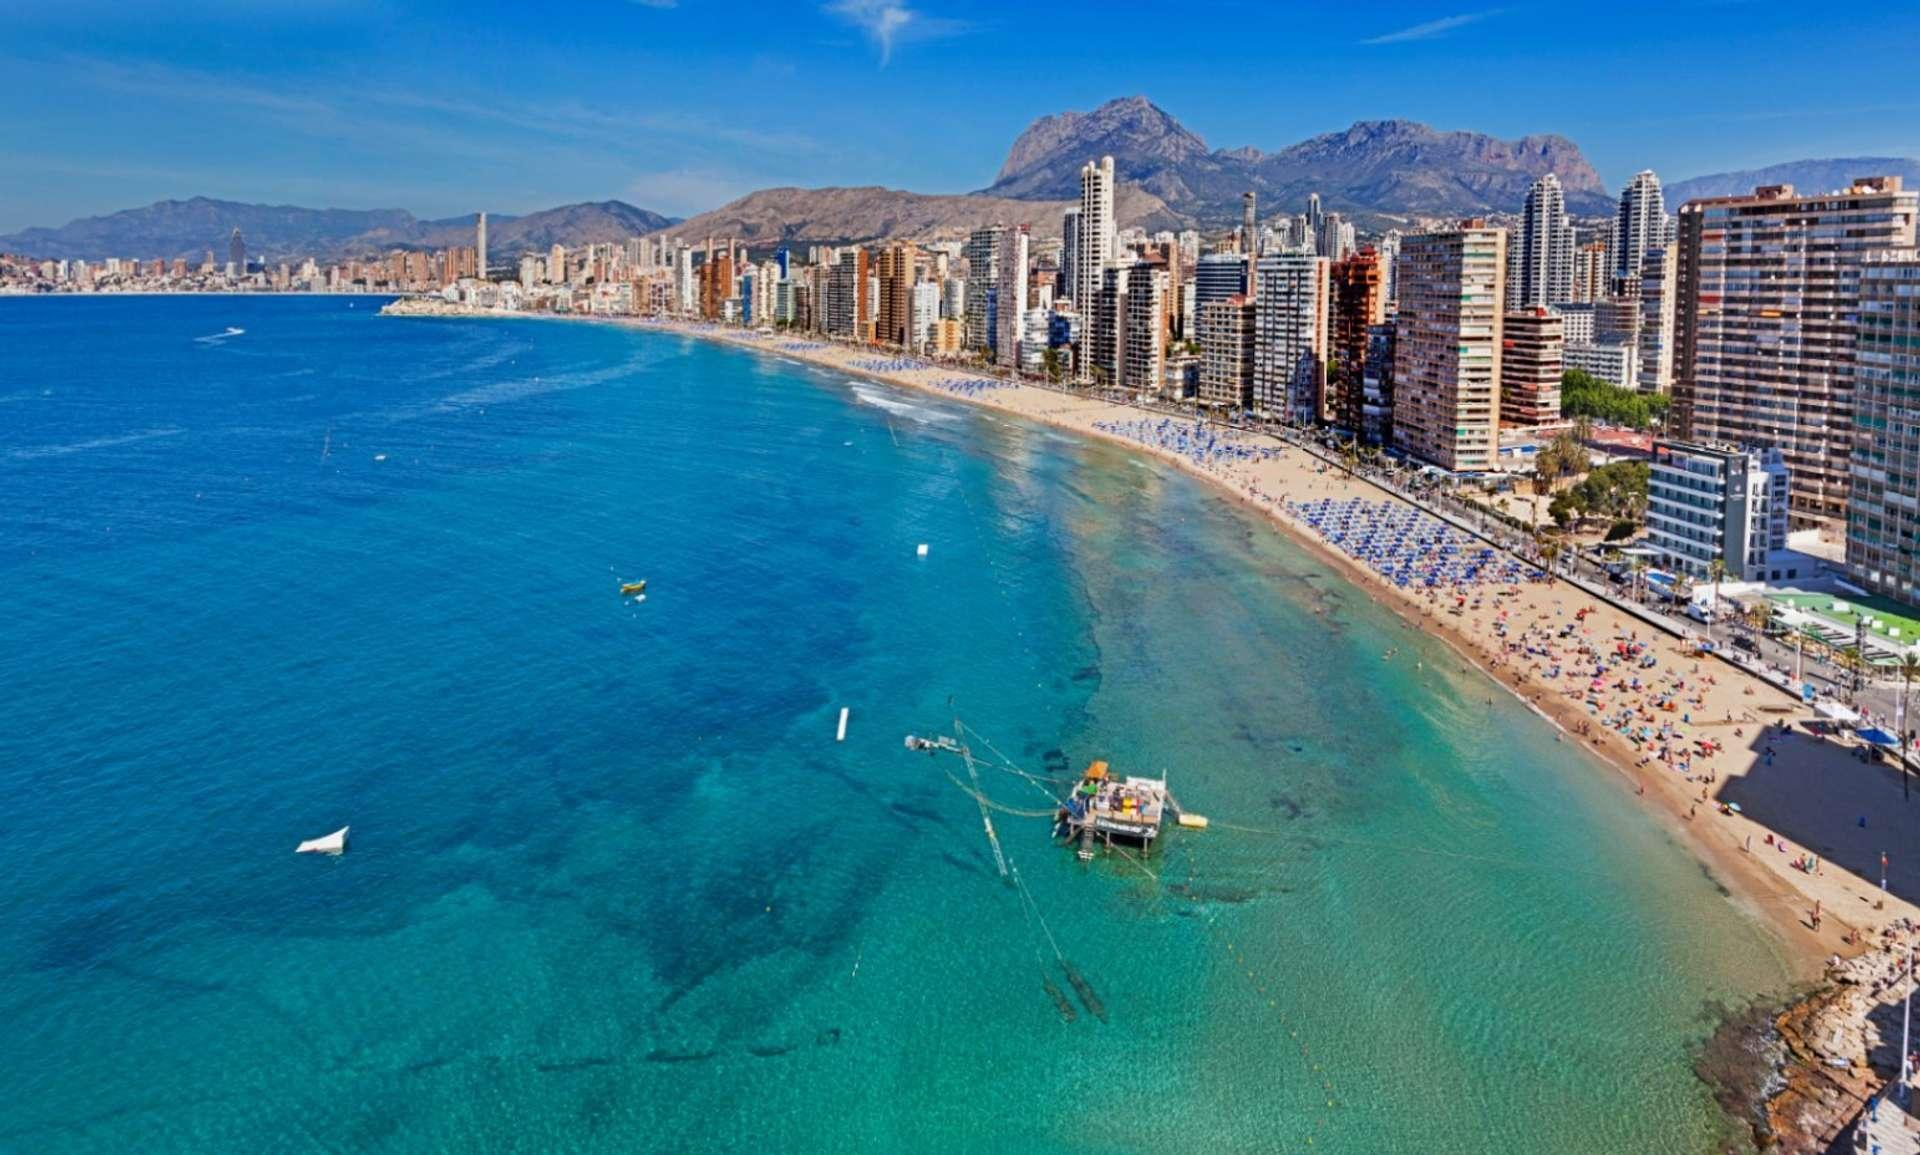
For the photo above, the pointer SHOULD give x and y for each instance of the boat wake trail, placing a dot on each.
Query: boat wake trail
(34, 452)
(220, 338)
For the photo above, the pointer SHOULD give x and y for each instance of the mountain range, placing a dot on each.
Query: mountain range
(833, 215)
(1378, 172)
(1804, 175)
(1375, 167)
(190, 228)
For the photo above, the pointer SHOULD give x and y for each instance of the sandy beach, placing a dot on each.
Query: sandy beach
(1792, 823)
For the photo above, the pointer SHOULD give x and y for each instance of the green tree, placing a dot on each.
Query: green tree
(1050, 362)
(1584, 397)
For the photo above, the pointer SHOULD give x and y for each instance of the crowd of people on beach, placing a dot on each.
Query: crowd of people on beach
(1200, 444)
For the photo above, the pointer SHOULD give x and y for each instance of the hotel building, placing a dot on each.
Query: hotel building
(1446, 365)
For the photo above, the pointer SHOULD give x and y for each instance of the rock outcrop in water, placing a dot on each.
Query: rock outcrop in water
(1799, 1077)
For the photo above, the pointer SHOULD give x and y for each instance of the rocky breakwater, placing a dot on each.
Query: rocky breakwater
(1800, 1076)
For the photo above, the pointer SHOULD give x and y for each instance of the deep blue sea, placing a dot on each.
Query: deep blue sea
(612, 884)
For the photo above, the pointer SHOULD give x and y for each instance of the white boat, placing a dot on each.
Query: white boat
(335, 843)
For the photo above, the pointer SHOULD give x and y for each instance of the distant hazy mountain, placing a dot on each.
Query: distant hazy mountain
(1381, 167)
(286, 232)
(1803, 175)
(593, 223)
(832, 215)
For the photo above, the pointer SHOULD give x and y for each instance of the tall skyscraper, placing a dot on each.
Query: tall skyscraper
(1316, 220)
(557, 262)
(1335, 240)
(1218, 276)
(1446, 365)
(1095, 254)
(1070, 254)
(1764, 326)
(1640, 225)
(1226, 332)
(924, 312)
(1532, 349)
(894, 324)
(1357, 291)
(480, 247)
(1010, 296)
(716, 278)
(845, 313)
(1290, 337)
(1883, 513)
(1546, 248)
(1657, 284)
(1249, 234)
(237, 254)
(983, 278)
(1142, 315)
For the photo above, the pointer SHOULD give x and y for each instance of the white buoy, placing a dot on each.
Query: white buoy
(922, 551)
(841, 736)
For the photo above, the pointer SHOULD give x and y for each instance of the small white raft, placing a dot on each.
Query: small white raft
(335, 843)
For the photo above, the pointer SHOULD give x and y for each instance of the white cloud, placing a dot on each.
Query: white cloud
(1431, 28)
(888, 22)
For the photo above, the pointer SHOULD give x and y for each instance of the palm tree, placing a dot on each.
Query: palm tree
(1639, 567)
(1549, 552)
(1909, 666)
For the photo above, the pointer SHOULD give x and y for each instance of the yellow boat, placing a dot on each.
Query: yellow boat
(632, 589)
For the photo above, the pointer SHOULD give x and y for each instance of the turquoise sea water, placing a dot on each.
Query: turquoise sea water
(614, 887)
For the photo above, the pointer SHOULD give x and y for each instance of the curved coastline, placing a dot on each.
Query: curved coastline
(1808, 1102)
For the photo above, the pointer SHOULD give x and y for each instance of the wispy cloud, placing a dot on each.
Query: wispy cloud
(553, 124)
(888, 22)
(1432, 28)
(685, 192)
(657, 3)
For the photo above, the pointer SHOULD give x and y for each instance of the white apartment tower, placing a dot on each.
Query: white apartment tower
(1545, 260)
(1641, 224)
(983, 278)
(1290, 337)
(1094, 254)
(480, 248)
(1070, 255)
(1010, 296)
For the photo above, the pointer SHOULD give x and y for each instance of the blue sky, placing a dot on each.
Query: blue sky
(680, 105)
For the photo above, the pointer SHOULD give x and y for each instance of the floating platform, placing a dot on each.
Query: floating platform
(1106, 809)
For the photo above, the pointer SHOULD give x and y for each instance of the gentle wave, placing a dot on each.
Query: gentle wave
(894, 405)
(33, 452)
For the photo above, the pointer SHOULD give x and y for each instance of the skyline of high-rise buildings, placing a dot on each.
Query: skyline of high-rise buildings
(1749, 310)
